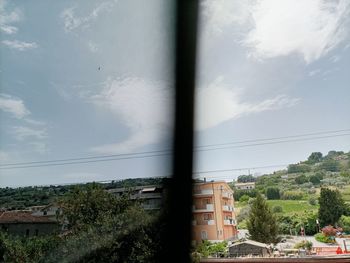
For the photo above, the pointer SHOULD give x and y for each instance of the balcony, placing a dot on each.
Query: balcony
(203, 192)
(229, 222)
(226, 195)
(207, 208)
(228, 208)
(203, 222)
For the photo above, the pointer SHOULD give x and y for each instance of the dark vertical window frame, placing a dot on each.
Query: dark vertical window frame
(177, 236)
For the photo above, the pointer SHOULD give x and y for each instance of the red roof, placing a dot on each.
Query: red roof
(22, 217)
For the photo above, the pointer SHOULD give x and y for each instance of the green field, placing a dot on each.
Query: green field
(293, 206)
(288, 206)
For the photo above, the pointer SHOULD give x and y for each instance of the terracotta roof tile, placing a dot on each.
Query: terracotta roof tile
(22, 217)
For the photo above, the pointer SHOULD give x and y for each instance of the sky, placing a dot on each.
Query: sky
(83, 79)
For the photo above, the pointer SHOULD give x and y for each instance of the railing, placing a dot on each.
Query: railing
(226, 195)
(204, 192)
(229, 222)
(228, 208)
(207, 208)
(205, 222)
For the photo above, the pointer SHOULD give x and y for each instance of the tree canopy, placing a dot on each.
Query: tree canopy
(262, 224)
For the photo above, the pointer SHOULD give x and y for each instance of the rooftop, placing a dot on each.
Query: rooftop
(22, 217)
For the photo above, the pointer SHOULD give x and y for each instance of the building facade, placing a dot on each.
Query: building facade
(245, 186)
(213, 212)
(23, 223)
(151, 197)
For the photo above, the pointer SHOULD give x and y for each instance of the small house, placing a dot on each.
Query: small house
(249, 248)
(23, 223)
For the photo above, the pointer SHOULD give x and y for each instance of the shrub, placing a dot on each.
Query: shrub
(320, 237)
(304, 244)
(312, 201)
(292, 195)
(277, 209)
(244, 198)
(273, 193)
(301, 179)
(298, 168)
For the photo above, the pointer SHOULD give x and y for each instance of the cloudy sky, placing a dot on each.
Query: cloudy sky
(81, 79)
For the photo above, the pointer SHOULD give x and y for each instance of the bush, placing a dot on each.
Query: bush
(301, 179)
(344, 222)
(277, 209)
(312, 201)
(244, 198)
(292, 195)
(298, 168)
(273, 193)
(320, 237)
(304, 244)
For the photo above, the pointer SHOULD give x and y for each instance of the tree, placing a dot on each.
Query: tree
(330, 165)
(315, 157)
(246, 178)
(331, 208)
(298, 168)
(273, 193)
(262, 224)
(301, 179)
(315, 180)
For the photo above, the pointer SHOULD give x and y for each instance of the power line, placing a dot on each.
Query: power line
(276, 138)
(147, 154)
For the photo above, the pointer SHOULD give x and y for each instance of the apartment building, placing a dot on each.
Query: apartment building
(213, 212)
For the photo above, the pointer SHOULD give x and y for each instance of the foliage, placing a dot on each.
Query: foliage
(344, 222)
(331, 231)
(315, 157)
(298, 168)
(304, 244)
(331, 206)
(330, 165)
(244, 198)
(206, 248)
(243, 214)
(273, 193)
(314, 179)
(301, 179)
(312, 201)
(320, 237)
(102, 228)
(292, 195)
(277, 209)
(246, 178)
(238, 193)
(262, 224)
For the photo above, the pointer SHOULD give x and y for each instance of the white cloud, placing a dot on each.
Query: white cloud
(273, 28)
(72, 21)
(7, 18)
(92, 47)
(22, 132)
(143, 106)
(218, 103)
(13, 105)
(221, 14)
(310, 28)
(20, 45)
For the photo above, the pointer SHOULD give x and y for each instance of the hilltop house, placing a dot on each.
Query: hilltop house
(151, 197)
(245, 186)
(24, 223)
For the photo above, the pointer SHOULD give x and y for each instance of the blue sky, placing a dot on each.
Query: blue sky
(266, 69)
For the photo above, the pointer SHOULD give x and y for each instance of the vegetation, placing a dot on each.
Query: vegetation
(331, 206)
(262, 224)
(207, 248)
(102, 228)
